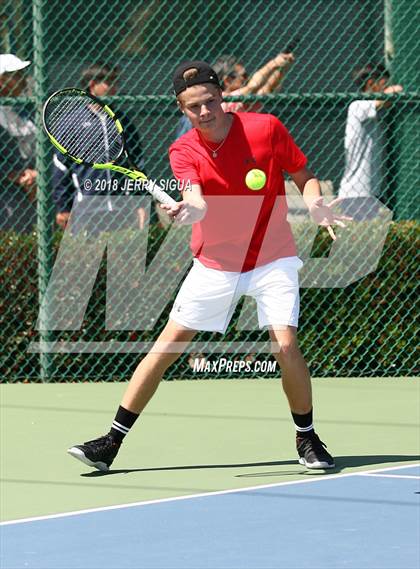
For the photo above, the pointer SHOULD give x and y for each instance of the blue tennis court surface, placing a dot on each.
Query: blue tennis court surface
(367, 520)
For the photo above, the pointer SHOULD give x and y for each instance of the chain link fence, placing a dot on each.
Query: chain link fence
(102, 315)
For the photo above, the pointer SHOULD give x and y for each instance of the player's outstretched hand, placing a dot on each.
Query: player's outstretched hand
(323, 215)
(185, 213)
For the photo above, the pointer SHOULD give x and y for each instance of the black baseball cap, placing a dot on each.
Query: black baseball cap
(206, 74)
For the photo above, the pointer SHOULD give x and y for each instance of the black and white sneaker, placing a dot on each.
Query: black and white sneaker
(313, 452)
(98, 453)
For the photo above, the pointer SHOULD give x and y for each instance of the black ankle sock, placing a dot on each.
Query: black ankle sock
(304, 424)
(122, 423)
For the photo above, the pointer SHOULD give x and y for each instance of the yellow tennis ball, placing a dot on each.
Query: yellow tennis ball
(255, 179)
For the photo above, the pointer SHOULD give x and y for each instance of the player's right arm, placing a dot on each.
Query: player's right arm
(193, 206)
(191, 209)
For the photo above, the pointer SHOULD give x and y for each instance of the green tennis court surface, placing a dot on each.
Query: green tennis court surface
(194, 437)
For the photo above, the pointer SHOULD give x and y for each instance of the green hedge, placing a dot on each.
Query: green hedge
(365, 329)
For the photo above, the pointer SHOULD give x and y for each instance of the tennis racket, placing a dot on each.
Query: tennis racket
(86, 130)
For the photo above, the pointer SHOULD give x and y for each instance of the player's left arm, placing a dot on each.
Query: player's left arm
(191, 209)
(321, 213)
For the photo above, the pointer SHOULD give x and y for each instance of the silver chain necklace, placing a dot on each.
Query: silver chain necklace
(215, 151)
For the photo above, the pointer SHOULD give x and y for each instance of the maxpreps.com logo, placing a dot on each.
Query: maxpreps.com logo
(203, 365)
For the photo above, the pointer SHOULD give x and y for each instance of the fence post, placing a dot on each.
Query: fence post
(403, 20)
(44, 197)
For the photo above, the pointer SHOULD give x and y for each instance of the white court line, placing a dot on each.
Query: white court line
(390, 476)
(314, 478)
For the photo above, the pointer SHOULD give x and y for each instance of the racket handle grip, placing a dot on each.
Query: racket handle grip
(158, 193)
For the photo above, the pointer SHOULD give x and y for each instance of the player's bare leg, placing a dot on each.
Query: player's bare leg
(297, 387)
(171, 343)
(295, 374)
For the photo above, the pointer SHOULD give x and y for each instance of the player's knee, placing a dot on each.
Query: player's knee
(286, 351)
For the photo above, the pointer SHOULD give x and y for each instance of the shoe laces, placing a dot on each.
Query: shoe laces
(103, 442)
(311, 442)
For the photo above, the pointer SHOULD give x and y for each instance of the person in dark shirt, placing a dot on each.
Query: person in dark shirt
(94, 199)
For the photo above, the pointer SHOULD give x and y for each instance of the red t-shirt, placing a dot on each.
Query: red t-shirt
(243, 228)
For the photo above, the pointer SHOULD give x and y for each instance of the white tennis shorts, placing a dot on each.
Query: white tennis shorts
(207, 298)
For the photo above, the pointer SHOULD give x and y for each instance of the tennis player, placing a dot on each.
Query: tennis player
(242, 244)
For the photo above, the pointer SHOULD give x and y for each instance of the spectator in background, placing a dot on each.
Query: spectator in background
(364, 145)
(234, 81)
(17, 150)
(69, 179)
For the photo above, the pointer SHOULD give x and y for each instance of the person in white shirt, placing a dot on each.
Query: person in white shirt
(364, 145)
(17, 142)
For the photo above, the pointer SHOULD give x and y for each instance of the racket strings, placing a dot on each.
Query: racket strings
(78, 136)
(64, 122)
(90, 138)
(83, 128)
